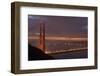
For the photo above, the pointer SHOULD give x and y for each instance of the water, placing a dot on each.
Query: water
(71, 55)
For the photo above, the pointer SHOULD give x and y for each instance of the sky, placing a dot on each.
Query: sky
(58, 25)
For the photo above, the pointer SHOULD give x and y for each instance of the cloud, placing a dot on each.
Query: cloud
(85, 27)
(34, 17)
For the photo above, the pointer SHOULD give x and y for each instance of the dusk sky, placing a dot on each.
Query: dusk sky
(58, 25)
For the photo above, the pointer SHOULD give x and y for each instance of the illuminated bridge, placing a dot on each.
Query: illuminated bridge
(57, 44)
(61, 44)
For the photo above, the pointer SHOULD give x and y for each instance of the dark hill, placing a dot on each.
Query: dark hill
(37, 54)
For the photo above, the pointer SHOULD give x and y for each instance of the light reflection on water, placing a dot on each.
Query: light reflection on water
(52, 45)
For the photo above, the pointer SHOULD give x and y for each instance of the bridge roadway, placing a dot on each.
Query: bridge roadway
(71, 54)
(69, 50)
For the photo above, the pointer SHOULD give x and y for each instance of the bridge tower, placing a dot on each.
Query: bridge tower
(42, 36)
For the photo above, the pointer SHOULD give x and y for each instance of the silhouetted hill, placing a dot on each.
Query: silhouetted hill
(37, 54)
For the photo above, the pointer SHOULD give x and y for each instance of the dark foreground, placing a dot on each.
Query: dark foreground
(37, 54)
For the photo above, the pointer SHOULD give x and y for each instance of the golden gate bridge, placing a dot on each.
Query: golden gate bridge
(69, 40)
